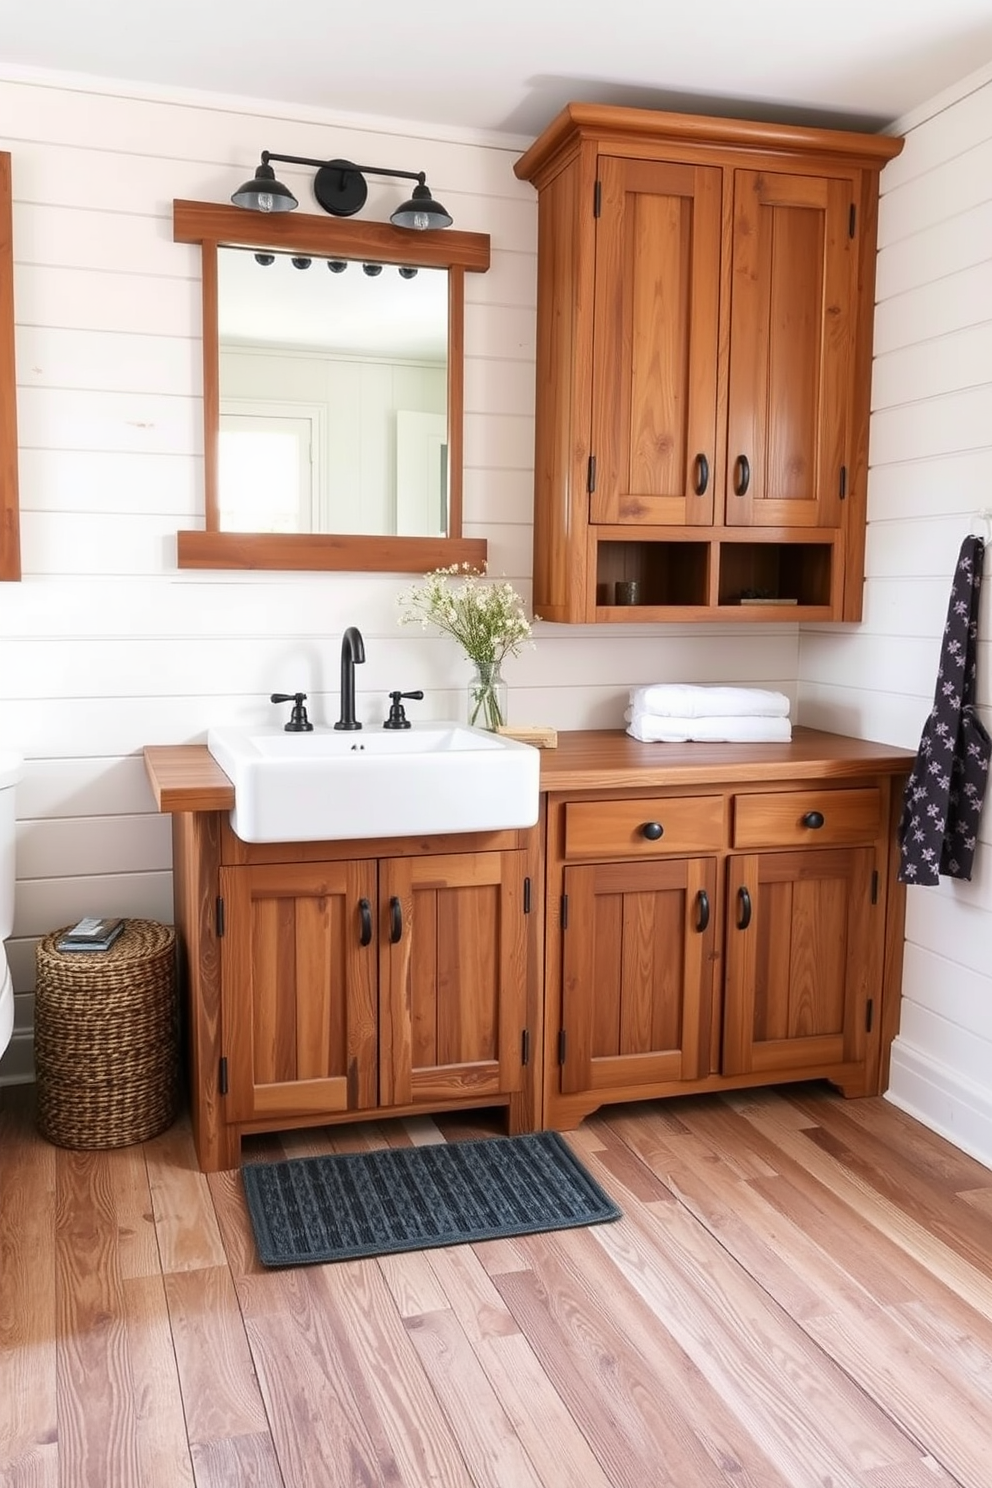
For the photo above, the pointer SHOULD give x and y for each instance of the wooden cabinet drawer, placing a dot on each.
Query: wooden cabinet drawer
(689, 824)
(815, 818)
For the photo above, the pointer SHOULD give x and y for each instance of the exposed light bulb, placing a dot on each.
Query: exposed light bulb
(266, 201)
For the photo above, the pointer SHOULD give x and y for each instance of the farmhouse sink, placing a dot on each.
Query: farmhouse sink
(430, 778)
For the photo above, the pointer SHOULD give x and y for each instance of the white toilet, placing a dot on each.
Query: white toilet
(10, 774)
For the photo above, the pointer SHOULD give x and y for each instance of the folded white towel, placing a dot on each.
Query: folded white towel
(682, 700)
(651, 729)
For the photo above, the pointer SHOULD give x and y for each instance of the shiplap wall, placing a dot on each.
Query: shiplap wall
(931, 459)
(105, 646)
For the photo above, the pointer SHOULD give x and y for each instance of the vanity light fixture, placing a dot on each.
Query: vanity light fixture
(341, 189)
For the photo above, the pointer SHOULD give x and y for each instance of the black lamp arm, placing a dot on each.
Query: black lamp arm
(344, 166)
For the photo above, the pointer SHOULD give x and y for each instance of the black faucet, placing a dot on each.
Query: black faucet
(352, 652)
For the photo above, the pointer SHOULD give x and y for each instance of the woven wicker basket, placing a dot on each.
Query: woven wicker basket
(106, 1043)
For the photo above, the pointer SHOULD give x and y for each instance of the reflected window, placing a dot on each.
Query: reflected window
(267, 472)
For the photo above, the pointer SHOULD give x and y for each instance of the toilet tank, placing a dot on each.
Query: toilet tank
(10, 774)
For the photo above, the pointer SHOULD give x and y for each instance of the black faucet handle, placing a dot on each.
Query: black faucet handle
(298, 723)
(397, 714)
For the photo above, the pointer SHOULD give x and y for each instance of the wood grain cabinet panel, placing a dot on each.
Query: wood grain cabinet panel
(637, 973)
(645, 826)
(817, 818)
(298, 990)
(804, 962)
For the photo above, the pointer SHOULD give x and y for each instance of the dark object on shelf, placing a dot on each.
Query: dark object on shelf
(106, 1043)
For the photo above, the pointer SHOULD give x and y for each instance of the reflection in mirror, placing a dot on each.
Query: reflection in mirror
(333, 395)
(10, 548)
(323, 519)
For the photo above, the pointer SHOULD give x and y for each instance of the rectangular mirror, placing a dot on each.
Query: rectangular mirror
(333, 395)
(10, 544)
(333, 375)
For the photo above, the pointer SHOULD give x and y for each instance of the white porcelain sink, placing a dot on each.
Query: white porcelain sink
(432, 777)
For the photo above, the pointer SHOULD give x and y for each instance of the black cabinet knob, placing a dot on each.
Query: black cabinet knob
(813, 819)
(652, 831)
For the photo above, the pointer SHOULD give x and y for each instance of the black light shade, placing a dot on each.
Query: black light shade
(263, 193)
(421, 211)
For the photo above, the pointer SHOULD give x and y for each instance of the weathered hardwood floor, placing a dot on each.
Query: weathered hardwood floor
(799, 1293)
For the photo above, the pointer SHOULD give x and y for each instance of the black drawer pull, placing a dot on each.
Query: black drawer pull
(365, 919)
(395, 920)
(744, 898)
(813, 819)
(703, 901)
(702, 475)
(652, 831)
(742, 475)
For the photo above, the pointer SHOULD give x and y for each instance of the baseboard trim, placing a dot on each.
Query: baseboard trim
(941, 1099)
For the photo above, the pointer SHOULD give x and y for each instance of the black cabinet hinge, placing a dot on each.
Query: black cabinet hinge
(869, 1014)
(525, 1046)
(562, 1046)
(222, 1076)
(220, 915)
(852, 221)
(564, 911)
(843, 482)
(591, 475)
(526, 896)
(597, 199)
(874, 886)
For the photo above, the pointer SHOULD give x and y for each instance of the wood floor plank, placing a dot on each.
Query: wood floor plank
(97, 1422)
(160, 1424)
(492, 1452)
(216, 1373)
(28, 1407)
(399, 1407)
(237, 1462)
(185, 1223)
(315, 1418)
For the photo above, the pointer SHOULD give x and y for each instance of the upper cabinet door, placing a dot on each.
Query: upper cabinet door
(656, 338)
(791, 338)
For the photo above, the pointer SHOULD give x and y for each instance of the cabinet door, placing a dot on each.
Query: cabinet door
(453, 976)
(804, 952)
(637, 972)
(298, 988)
(792, 308)
(655, 343)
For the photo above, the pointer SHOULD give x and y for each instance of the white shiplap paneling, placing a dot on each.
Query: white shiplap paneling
(931, 459)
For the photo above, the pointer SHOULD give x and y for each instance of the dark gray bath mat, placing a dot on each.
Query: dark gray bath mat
(311, 1209)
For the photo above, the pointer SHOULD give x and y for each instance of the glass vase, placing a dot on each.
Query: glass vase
(487, 696)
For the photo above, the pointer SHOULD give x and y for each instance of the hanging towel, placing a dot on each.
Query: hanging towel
(684, 700)
(943, 801)
(651, 729)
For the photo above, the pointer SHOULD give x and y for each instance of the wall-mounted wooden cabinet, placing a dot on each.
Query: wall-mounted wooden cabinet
(705, 302)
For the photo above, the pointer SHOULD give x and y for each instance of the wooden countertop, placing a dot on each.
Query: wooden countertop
(185, 777)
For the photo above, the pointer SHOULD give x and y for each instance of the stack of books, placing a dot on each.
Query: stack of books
(91, 934)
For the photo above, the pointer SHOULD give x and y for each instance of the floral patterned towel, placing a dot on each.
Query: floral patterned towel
(944, 794)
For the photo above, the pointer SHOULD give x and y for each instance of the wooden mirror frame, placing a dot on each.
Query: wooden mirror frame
(213, 225)
(10, 531)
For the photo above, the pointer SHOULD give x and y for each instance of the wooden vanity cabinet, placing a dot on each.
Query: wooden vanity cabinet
(710, 940)
(331, 981)
(705, 304)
